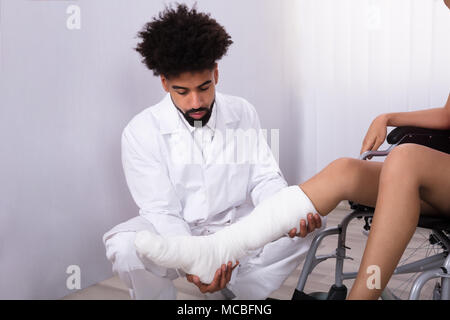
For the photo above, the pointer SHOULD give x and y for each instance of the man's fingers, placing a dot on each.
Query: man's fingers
(228, 275)
(318, 221)
(217, 278)
(303, 230)
(202, 287)
(311, 223)
(212, 287)
(292, 233)
(231, 268)
(314, 222)
(196, 280)
(191, 278)
(223, 277)
(229, 271)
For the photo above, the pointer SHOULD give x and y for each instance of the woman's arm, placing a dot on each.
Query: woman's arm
(436, 118)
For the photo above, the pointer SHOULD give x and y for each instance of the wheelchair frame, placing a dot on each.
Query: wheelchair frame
(436, 266)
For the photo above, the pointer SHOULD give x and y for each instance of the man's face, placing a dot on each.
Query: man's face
(447, 3)
(193, 92)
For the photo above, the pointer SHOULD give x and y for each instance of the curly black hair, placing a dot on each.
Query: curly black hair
(182, 40)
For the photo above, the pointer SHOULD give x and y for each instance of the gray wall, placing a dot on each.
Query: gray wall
(66, 96)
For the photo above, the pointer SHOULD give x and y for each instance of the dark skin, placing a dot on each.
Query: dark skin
(223, 274)
(221, 278)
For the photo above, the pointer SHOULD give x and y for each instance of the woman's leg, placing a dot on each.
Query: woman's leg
(344, 179)
(410, 176)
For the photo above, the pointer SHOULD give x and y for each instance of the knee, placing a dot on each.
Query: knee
(347, 173)
(403, 158)
(345, 169)
(343, 165)
(402, 164)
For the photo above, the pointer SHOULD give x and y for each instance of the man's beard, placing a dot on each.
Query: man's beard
(197, 122)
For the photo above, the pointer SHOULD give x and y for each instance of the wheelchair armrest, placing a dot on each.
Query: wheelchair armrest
(399, 132)
(432, 138)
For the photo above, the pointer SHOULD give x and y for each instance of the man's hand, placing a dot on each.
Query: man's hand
(314, 222)
(221, 278)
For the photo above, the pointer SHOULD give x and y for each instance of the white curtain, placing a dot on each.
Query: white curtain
(350, 60)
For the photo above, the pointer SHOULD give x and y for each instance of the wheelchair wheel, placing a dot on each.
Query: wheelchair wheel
(423, 244)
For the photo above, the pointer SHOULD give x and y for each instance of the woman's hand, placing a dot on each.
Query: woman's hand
(376, 134)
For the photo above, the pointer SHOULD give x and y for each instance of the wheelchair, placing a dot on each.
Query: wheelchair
(435, 265)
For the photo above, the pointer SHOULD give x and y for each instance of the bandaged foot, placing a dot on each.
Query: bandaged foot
(272, 219)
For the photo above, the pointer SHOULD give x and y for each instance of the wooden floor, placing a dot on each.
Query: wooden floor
(319, 280)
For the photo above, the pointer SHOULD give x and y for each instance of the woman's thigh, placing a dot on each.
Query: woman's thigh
(431, 168)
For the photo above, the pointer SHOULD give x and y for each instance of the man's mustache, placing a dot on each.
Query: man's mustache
(197, 110)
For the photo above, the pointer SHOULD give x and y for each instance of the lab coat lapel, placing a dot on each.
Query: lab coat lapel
(168, 117)
(226, 119)
(178, 138)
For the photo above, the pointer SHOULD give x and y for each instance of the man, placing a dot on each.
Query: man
(171, 153)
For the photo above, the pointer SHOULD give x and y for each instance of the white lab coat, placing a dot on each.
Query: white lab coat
(200, 196)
